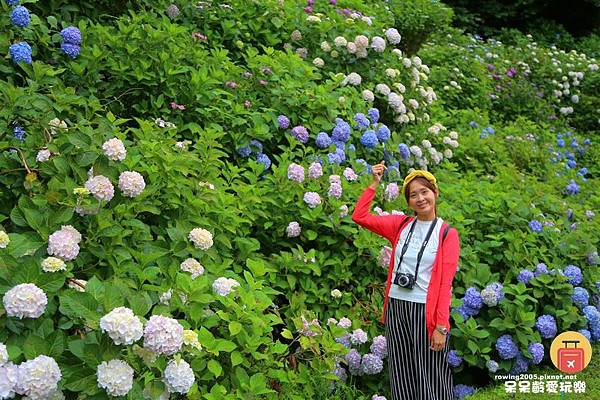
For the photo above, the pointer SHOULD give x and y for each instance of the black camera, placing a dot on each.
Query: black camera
(405, 280)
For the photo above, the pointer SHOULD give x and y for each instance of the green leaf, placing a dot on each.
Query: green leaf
(80, 305)
(236, 358)
(215, 368)
(286, 333)
(234, 328)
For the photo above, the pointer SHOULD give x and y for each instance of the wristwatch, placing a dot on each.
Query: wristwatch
(442, 329)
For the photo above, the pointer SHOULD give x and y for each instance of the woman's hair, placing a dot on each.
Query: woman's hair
(423, 182)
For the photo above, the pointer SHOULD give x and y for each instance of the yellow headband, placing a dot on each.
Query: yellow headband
(416, 173)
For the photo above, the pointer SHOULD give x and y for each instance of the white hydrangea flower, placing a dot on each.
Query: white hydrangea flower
(426, 144)
(190, 338)
(378, 44)
(352, 78)
(361, 41)
(318, 62)
(53, 264)
(56, 125)
(416, 150)
(366, 19)
(223, 286)
(43, 155)
(201, 238)
(4, 240)
(25, 300)
(64, 243)
(453, 143)
(165, 297)
(344, 323)
(368, 95)
(178, 376)
(448, 153)
(313, 18)
(406, 62)
(9, 376)
(100, 187)
(115, 376)
(163, 335)
(575, 99)
(383, 89)
(416, 61)
(413, 103)
(122, 326)
(336, 294)
(394, 100)
(397, 52)
(362, 53)
(351, 47)
(131, 183)
(393, 36)
(38, 378)
(340, 41)
(453, 135)
(391, 72)
(114, 149)
(3, 354)
(325, 46)
(192, 266)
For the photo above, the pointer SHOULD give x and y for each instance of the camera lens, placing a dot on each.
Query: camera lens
(403, 280)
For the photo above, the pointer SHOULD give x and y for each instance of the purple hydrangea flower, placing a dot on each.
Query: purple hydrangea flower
(506, 347)
(535, 226)
(312, 199)
(569, 214)
(20, 51)
(362, 121)
(264, 160)
(300, 133)
(383, 133)
(335, 190)
(373, 113)
(283, 122)
(295, 172)
(341, 131)
(520, 366)
(572, 188)
(345, 340)
(525, 276)
(404, 151)
(454, 360)
(20, 17)
(371, 364)
(315, 170)
(582, 172)
(537, 352)
(369, 139)
(473, 124)
(353, 359)
(19, 133)
(72, 50)
(574, 274)
(462, 311)
(341, 373)
(541, 268)
(472, 299)
(461, 391)
(560, 142)
(323, 140)
(379, 346)
(71, 35)
(358, 336)
(546, 325)
(580, 297)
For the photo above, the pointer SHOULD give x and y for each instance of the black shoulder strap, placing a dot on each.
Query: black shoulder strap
(446, 229)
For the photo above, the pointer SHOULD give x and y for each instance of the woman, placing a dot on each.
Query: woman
(416, 309)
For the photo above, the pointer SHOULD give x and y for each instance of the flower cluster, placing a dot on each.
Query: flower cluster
(192, 266)
(25, 300)
(506, 347)
(19, 17)
(64, 243)
(122, 326)
(115, 376)
(114, 149)
(201, 238)
(4, 240)
(38, 378)
(293, 229)
(131, 183)
(223, 286)
(71, 41)
(53, 264)
(546, 325)
(492, 294)
(20, 52)
(101, 187)
(163, 335)
(178, 376)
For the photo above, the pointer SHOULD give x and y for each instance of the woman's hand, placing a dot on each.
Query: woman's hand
(438, 341)
(377, 170)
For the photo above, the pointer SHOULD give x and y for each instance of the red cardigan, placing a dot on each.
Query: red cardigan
(439, 291)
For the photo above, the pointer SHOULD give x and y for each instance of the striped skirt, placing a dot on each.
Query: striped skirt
(416, 371)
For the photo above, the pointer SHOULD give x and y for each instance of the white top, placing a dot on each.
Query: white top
(418, 294)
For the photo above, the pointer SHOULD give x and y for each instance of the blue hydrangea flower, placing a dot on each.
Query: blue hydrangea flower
(506, 347)
(492, 366)
(574, 274)
(454, 360)
(371, 364)
(580, 297)
(520, 366)
(560, 143)
(351, 147)
(592, 314)
(341, 373)
(283, 122)
(472, 299)
(546, 325)
(541, 268)
(72, 50)
(256, 146)
(595, 332)
(473, 124)
(334, 158)
(323, 140)
(362, 121)
(535, 226)
(300, 133)
(569, 214)
(379, 346)
(369, 139)
(572, 188)
(462, 311)
(20, 17)
(244, 151)
(20, 51)
(264, 160)
(586, 333)
(353, 359)
(339, 151)
(345, 340)
(537, 352)
(12, 2)
(461, 391)
(571, 163)
(19, 133)
(383, 133)
(593, 258)
(582, 172)
(525, 276)
(404, 151)
(71, 35)
(373, 113)
(574, 142)
(341, 130)
(587, 142)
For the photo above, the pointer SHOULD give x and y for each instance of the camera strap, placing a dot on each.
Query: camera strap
(423, 245)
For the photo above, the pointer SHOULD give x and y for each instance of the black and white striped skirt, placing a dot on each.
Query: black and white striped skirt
(416, 371)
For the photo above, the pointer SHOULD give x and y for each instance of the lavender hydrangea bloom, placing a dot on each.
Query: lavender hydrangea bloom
(525, 276)
(369, 139)
(371, 364)
(580, 296)
(341, 373)
(72, 50)
(383, 133)
(353, 359)
(315, 170)
(454, 360)
(373, 113)
(361, 120)
(506, 347)
(295, 172)
(404, 151)
(20, 52)
(379, 346)
(537, 352)
(341, 131)
(283, 122)
(574, 274)
(535, 226)
(20, 17)
(345, 340)
(492, 294)
(358, 336)
(300, 133)
(546, 325)
(520, 366)
(492, 366)
(593, 258)
(375, 396)
(71, 35)
(323, 140)
(541, 268)
(334, 158)
(264, 160)
(312, 199)
(461, 391)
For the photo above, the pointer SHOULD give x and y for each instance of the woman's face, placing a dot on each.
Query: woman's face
(422, 200)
